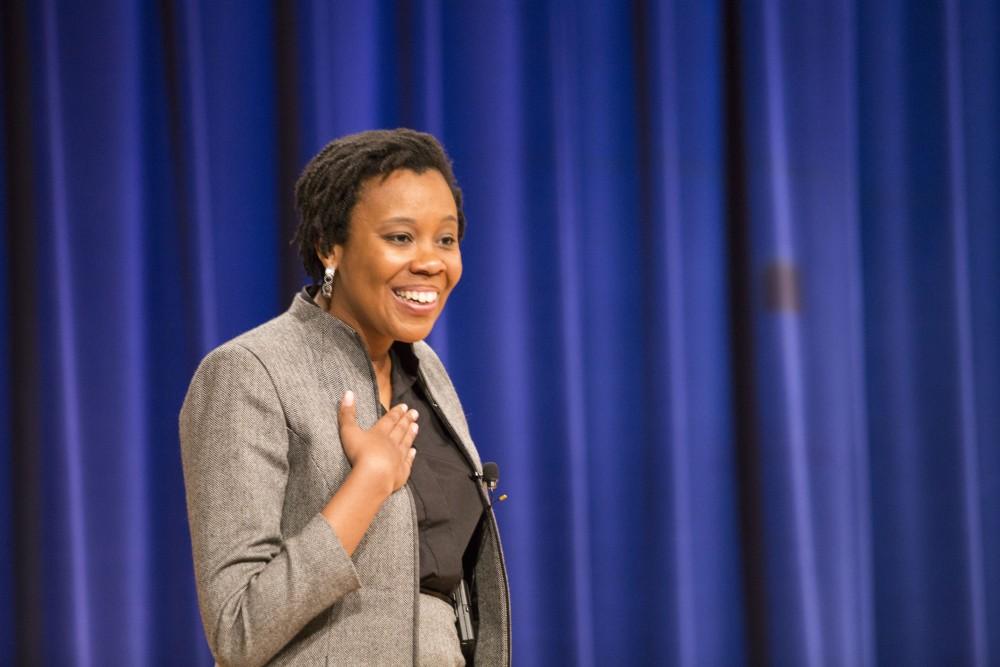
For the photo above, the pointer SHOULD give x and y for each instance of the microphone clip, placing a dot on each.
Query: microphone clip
(489, 478)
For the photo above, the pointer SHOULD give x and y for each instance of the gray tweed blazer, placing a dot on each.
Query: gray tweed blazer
(262, 456)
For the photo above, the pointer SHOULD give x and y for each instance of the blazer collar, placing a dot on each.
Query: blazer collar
(334, 331)
(304, 309)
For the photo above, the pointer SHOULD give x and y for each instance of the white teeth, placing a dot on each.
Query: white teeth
(419, 297)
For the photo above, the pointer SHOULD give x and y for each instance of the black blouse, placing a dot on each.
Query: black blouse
(448, 501)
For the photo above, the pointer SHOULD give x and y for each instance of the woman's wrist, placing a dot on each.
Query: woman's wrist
(352, 508)
(374, 478)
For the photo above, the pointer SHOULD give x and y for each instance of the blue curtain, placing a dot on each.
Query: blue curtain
(729, 324)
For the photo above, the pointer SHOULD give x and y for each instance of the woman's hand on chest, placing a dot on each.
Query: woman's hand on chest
(385, 451)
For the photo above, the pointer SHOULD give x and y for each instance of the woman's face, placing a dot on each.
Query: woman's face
(401, 259)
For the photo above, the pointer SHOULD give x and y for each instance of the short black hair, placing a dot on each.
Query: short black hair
(328, 187)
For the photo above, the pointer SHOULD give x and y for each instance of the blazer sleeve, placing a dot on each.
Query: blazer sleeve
(256, 587)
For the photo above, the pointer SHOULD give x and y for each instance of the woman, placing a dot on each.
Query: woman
(333, 489)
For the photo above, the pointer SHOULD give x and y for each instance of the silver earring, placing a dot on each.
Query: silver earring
(328, 275)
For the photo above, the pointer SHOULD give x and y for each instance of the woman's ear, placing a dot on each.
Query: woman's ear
(336, 254)
(330, 257)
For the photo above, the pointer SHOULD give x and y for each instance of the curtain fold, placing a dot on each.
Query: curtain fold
(728, 321)
(803, 255)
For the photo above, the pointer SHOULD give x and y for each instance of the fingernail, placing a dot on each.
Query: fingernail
(349, 398)
(402, 408)
(414, 414)
(414, 427)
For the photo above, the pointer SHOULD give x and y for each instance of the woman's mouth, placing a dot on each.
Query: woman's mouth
(420, 301)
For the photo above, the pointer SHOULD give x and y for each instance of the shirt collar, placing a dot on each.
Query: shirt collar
(405, 369)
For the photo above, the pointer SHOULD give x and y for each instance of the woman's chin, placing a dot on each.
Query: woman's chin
(412, 334)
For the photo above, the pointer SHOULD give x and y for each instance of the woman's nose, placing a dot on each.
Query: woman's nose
(427, 260)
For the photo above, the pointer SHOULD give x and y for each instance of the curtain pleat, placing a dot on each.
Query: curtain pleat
(556, 133)
(68, 600)
(965, 403)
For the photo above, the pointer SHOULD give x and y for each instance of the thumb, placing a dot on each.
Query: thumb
(347, 419)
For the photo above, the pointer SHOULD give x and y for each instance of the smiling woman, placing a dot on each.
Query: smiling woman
(395, 270)
(319, 533)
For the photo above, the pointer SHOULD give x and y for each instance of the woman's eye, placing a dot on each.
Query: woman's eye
(398, 238)
(448, 240)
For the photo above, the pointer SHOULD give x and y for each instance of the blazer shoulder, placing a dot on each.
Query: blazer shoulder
(281, 333)
(280, 346)
(254, 353)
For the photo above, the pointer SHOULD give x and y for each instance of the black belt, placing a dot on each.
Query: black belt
(445, 597)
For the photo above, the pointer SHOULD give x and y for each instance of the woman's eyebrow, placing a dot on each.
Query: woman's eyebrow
(410, 221)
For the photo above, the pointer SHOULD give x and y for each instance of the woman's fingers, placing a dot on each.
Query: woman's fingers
(404, 426)
(347, 420)
(409, 437)
(396, 429)
(388, 421)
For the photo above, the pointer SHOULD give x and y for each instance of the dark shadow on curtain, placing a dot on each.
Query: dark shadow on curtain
(741, 293)
(27, 399)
